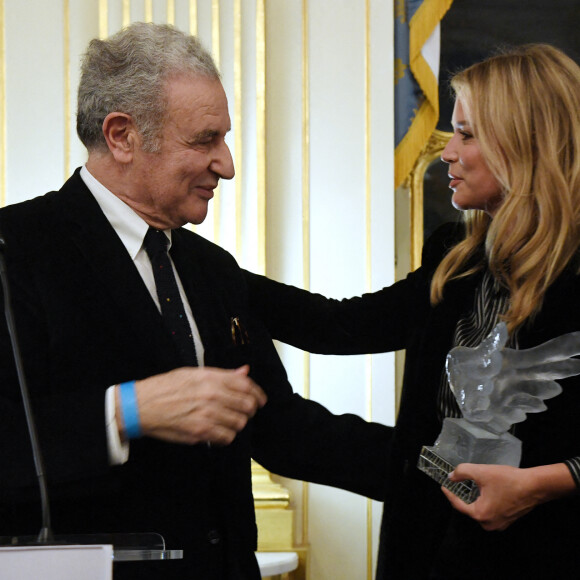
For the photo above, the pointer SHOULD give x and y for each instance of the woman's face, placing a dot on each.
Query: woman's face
(473, 184)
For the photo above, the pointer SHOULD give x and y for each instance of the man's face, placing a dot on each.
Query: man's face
(173, 186)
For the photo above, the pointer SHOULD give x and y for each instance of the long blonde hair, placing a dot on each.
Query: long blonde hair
(524, 108)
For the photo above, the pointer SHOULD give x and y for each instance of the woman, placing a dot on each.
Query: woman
(514, 165)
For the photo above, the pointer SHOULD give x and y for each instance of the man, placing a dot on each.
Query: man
(139, 432)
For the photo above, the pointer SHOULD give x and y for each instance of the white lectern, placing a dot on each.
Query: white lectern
(89, 556)
(56, 562)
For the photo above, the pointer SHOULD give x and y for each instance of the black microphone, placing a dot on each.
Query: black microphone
(45, 535)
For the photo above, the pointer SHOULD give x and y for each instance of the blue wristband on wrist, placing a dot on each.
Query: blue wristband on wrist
(129, 409)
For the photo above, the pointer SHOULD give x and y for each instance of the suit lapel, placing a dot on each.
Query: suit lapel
(112, 269)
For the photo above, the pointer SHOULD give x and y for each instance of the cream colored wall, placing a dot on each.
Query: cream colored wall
(309, 84)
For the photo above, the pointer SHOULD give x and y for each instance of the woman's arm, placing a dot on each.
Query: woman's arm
(375, 322)
(380, 321)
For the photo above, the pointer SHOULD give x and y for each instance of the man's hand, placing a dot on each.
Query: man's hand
(194, 405)
(508, 493)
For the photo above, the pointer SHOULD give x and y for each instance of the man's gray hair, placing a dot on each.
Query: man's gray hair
(127, 73)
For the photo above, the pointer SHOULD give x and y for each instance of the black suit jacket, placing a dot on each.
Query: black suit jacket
(86, 321)
(419, 527)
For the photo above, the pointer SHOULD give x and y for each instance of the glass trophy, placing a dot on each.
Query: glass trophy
(495, 388)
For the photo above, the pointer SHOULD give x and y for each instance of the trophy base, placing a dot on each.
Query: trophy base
(439, 469)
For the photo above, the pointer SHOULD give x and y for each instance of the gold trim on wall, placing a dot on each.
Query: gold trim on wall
(305, 222)
(103, 19)
(215, 32)
(148, 10)
(170, 11)
(305, 151)
(306, 173)
(238, 127)
(368, 228)
(215, 48)
(67, 93)
(368, 190)
(261, 130)
(126, 18)
(368, 198)
(2, 108)
(193, 17)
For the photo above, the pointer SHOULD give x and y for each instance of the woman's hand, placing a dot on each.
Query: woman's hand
(507, 493)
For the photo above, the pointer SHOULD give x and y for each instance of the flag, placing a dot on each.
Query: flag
(416, 83)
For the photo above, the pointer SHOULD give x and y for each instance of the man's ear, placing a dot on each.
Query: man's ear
(121, 136)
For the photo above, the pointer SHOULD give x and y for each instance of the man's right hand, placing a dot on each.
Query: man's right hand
(194, 405)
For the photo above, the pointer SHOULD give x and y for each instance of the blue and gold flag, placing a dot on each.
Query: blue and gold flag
(416, 83)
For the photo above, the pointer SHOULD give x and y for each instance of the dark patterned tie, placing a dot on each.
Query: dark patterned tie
(172, 310)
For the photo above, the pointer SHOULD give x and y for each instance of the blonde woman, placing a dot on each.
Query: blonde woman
(514, 168)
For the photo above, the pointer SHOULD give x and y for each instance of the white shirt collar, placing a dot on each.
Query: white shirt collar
(130, 227)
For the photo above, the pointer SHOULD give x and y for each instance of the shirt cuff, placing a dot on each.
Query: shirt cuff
(118, 450)
(574, 467)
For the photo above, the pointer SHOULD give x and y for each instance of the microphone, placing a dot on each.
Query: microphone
(45, 535)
